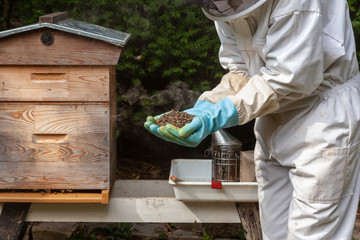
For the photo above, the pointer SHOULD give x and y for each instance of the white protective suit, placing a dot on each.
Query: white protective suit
(304, 90)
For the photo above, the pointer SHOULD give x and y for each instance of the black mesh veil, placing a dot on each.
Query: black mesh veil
(218, 9)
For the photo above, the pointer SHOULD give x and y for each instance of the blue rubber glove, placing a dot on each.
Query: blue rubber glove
(152, 127)
(220, 115)
(151, 123)
(199, 107)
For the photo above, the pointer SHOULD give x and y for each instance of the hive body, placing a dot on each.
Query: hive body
(57, 113)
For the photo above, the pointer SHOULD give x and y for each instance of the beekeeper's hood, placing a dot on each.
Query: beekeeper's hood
(227, 10)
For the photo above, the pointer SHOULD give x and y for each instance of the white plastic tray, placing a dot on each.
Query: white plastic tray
(195, 184)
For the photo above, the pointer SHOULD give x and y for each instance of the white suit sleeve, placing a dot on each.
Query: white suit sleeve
(230, 84)
(229, 56)
(293, 65)
(294, 55)
(231, 59)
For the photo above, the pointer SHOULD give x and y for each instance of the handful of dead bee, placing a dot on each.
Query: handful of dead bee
(176, 118)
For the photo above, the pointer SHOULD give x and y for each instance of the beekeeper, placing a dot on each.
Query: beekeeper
(292, 65)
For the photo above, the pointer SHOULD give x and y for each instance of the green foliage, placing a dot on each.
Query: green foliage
(116, 231)
(121, 231)
(354, 7)
(162, 236)
(240, 234)
(82, 233)
(207, 237)
(170, 41)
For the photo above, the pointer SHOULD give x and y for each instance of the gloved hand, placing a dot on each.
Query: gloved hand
(220, 115)
(152, 126)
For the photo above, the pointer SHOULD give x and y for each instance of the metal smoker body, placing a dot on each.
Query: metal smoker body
(225, 152)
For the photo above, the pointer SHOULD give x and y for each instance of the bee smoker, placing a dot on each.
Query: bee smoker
(225, 151)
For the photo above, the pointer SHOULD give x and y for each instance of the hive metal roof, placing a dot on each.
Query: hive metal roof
(59, 21)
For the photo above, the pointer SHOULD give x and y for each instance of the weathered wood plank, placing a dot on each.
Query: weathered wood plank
(54, 146)
(250, 220)
(12, 219)
(68, 49)
(113, 125)
(86, 148)
(71, 118)
(67, 132)
(53, 17)
(54, 118)
(56, 197)
(54, 175)
(45, 83)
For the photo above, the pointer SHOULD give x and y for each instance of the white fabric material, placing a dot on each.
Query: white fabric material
(227, 10)
(307, 152)
(256, 99)
(230, 84)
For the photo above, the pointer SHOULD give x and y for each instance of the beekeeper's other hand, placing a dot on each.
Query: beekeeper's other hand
(220, 115)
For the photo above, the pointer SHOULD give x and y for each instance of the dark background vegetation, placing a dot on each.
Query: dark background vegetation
(169, 61)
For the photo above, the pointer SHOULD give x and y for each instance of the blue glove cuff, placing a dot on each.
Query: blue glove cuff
(199, 107)
(223, 114)
(229, 114)
(202, 105)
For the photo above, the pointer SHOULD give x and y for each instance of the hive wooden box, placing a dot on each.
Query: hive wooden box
(58, 111)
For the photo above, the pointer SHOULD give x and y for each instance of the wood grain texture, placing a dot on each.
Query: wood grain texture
(53, 17)
(45, 83)
(250, 220)
(12, 219)
(54, 175)
(68, 49)
(83, 197)
(67, 145)
(113, 125)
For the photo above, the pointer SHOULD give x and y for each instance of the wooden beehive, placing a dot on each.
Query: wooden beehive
(57, 111)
